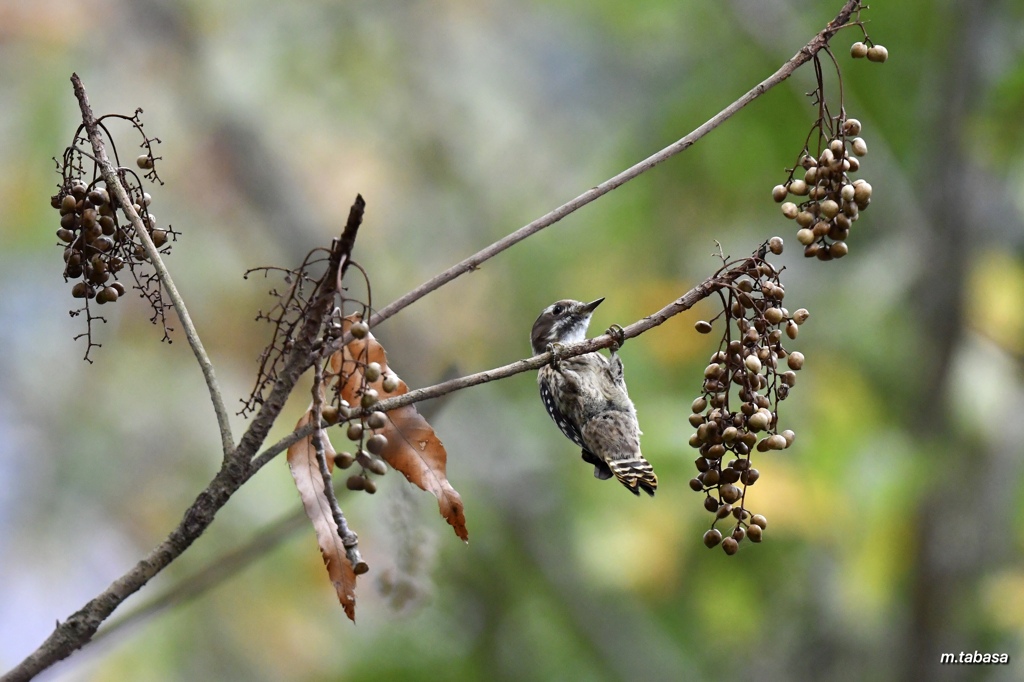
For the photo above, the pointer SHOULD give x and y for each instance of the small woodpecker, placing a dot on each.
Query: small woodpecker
(586, 396)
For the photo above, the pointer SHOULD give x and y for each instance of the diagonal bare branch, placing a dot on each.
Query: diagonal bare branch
(805, 54)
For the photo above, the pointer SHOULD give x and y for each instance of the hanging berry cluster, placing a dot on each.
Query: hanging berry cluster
(737, 411)
(827, 200)
(357, 376)
(99, 246)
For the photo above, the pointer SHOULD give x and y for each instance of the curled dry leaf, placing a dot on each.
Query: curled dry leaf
(306, 471)
(413, 448)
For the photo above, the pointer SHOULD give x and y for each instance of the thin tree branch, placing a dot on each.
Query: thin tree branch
(114, 185)
(785, 71)
(215, 573)
(723, 278)
(349, 539)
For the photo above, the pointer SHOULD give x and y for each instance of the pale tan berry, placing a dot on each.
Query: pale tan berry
(858, 50)
(829, 209)
(372, 372)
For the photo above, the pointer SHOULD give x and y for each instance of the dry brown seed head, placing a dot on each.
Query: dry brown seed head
(730, 546)
(779, 193)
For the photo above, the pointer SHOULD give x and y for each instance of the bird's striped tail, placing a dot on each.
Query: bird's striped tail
(636, 474)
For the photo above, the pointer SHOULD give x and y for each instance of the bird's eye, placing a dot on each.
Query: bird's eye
(558, 309)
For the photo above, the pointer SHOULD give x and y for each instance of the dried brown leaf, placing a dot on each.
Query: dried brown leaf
(306, 471)
(413, 447)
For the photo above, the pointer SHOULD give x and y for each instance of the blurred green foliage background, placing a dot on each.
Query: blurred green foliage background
(895, 520)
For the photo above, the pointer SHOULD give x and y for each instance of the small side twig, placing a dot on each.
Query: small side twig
(114, 184)
(349, 539)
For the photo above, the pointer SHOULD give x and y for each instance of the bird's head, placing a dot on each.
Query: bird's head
(562, 322)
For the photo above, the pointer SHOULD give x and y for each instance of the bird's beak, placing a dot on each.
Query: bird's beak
(589, 308)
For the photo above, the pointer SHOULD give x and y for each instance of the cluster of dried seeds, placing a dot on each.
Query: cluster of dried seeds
(98, 240)
(830, 201)
(737, 411)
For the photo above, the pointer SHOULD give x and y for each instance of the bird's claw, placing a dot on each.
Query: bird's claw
(556, 350)
(618, 335)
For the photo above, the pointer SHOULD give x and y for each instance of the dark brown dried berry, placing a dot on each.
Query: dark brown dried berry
(377, 443)
(730, 546)
(712, 538)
